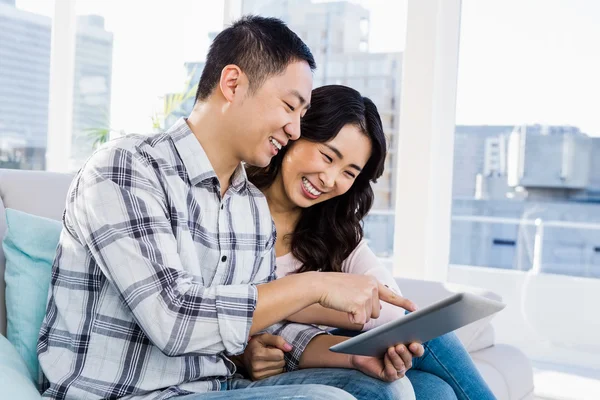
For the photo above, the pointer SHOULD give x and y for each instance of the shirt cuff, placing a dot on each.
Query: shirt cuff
(235, 305)
(299, 336)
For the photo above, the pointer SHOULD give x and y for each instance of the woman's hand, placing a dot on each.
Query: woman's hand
(393, 366)
(264, 356)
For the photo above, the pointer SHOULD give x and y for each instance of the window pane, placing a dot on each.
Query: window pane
(526, 209)
(338, 34)
(25, 29)
(136, 78)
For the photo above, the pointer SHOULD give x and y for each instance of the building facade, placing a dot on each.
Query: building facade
(25, 80)
(24, 87)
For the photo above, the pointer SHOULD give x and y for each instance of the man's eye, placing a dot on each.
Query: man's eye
(290, 107)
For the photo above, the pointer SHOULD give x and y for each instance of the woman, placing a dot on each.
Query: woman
(319, 190)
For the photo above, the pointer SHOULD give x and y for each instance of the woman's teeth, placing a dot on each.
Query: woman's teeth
(275, 143)
(310, 188)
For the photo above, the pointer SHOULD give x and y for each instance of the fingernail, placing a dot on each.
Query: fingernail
(287, 347)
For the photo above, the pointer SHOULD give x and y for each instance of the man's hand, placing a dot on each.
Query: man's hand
(393, 366)
(263, 356)
(358, 295)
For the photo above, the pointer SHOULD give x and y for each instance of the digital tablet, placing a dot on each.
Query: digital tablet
(422, 325)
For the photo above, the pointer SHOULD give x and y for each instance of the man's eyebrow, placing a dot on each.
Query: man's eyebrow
(340, 156)
(302, 100)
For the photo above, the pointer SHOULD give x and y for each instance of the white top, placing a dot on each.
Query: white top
(361, 261)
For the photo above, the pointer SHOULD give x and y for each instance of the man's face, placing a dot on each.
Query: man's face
(268, 118)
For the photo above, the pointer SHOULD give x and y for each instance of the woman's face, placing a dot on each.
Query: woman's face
(316, 172)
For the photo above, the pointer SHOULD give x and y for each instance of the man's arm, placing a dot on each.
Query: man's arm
(119, 214)
(319, 315)
(117, 211)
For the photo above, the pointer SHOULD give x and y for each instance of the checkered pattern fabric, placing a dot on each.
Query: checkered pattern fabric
(153, 284)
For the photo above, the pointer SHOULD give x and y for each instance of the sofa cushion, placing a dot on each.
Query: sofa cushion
(29, 247)
(35, 192)
(14, 375)
(506, 370)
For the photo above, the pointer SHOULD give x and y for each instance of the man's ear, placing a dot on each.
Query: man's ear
(232, 78)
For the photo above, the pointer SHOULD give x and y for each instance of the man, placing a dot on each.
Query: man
(165, 263)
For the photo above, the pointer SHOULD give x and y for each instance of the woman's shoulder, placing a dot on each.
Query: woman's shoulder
(361, 257)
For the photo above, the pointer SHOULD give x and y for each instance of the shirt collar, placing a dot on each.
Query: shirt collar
(196, 161)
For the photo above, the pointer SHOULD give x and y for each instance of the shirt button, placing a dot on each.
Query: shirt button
(224, 258)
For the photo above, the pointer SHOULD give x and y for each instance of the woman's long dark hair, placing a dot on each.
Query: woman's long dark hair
(328, 232)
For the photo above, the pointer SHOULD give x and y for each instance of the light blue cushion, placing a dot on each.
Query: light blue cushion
(29, 247)
(15, 382)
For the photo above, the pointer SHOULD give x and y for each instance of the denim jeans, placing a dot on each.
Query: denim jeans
(446, 359)
(444, 371)
(314, 383)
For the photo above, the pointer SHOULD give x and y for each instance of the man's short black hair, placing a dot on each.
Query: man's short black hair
(261, 47)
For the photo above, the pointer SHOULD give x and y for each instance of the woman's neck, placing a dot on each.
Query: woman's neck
(285, 215)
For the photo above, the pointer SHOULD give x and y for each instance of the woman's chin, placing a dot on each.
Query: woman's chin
(302, 201)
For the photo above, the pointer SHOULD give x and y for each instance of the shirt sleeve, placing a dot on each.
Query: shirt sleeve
(299, 336)
(363, 261)
(120, 215)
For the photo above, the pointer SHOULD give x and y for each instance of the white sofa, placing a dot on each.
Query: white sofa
(505, 368)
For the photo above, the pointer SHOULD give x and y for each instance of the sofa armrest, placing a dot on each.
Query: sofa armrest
(15, 380)
(476, 336)
(427, 292)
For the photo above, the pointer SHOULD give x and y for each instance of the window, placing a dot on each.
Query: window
(26, 28)
(122, 76)
(526, 208)
(360, 45)
(136, 80)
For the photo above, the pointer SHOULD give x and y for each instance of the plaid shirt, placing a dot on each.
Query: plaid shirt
(154, 279)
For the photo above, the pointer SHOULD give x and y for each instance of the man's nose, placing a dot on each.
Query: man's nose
(292, 130)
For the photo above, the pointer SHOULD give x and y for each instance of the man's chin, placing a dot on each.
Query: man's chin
(260, 163)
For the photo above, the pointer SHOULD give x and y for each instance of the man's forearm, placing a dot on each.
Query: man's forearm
(279, 299)
(319, 315)
(317, 354)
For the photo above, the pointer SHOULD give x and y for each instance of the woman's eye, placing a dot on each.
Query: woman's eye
(289, 106)
(351, 175)
(329, 159)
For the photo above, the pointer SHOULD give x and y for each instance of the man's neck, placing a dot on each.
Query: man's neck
(204, 122)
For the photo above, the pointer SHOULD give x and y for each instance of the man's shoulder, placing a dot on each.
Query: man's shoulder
(130, 149)
(136, 142)
(254, 192)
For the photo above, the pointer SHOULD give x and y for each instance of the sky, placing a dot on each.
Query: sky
(520, 61)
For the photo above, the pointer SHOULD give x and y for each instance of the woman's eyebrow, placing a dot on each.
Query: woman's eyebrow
(340, 156)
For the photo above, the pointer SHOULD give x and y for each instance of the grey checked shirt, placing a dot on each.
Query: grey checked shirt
(153, 284)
